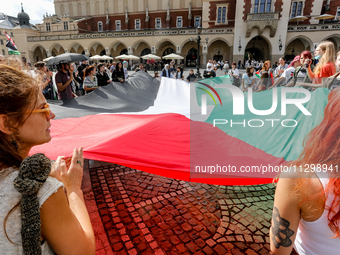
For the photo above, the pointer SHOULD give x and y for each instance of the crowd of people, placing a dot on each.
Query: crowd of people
(306, 205)
(304, 70)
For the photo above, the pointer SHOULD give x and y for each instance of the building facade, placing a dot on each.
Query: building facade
(232, 29)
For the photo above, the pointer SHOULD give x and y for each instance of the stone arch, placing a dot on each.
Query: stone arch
(96, 48)
(116, 47)
(297, 45)
(259, 47)
(304, 39)
(161, 42)
(56, 49)
(261, 26)
(218, 38)
(142, 46)
(335, 39)
(115, 44)
(39, 53)
(186, 41)
(37, 45)
(137, 43)
(219, 49)
(76, 47)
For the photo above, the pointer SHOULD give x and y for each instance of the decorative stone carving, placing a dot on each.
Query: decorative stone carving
(261, 21)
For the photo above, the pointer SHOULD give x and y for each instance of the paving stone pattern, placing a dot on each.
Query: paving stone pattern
(142, 213)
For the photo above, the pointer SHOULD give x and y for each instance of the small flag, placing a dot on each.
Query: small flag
(271, 76)
(11, 47)
(258, 75)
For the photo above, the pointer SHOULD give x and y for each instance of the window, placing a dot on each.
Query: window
(65, 25)
(262, 6)
(296, 9)
(2, 42)
(118, 26)
(100, 26)
(11, 33)
(179, 22)
(3, 52)
(48, 27)
(137, 24)
(269, 3)
(158, 23)
(256, 6)
(197, 21)
(337, 15)
(221, 14)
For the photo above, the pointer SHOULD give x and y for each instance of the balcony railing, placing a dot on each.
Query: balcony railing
(317, 27)
(135, 33)
(263, 16)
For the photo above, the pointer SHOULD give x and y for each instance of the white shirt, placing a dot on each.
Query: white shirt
(9, 198)
(235, 71)
(280, 68)
(315, 238)
(247, 80)
(288, 73)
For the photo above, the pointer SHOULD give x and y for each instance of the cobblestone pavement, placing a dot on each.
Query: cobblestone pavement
(134, 212)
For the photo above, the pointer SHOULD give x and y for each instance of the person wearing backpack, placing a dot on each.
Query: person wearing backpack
(333, 82)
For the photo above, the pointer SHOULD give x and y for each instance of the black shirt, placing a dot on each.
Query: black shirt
(191, 77)
(118, 74)
(102, 79)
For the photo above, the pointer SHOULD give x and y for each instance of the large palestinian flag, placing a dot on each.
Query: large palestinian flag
(159, 128)
(11, 47)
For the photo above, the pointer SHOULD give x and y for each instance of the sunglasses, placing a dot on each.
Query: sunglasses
(45, 110)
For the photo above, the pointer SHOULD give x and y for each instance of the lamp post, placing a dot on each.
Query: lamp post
(198, 39)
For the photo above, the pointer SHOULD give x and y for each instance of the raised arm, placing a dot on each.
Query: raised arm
(61, 86)
(66, 225)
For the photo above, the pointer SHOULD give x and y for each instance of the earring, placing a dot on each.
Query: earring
(14, 143)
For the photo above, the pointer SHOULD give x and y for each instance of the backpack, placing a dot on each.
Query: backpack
(332, 82)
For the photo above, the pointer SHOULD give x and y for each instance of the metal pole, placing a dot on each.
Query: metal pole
(198, 75)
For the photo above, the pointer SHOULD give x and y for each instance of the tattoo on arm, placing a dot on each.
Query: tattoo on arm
(281, 231)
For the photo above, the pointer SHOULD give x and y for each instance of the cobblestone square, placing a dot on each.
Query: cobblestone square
(134, 212)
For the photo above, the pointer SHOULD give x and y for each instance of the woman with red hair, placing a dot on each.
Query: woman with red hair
(300, 74)
(267, 68)
(324, 68)
(307, 199)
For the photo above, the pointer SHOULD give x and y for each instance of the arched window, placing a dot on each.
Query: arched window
(125, 51)
(191, 58)
(146, 51)
(168, 51)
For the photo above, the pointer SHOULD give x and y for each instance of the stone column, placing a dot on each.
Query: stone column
(130, 52)
(87, 53)
(204, 59)
(178, 52)
(30, 58)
